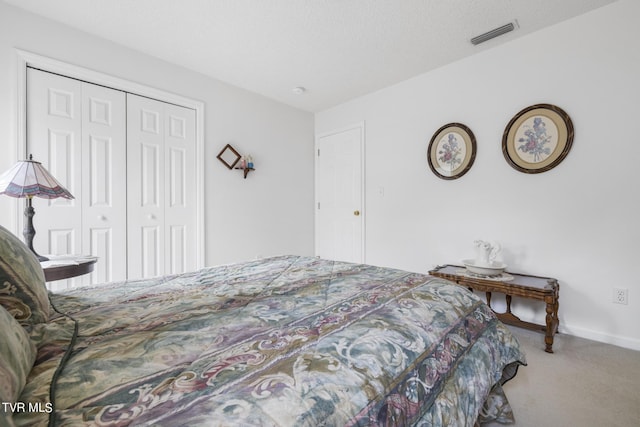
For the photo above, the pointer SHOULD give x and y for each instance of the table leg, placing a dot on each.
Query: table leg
(508, 304)
(552, 325)
(555, 312)
(488, 294)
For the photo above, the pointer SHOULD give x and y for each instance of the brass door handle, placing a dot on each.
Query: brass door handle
(356, 213)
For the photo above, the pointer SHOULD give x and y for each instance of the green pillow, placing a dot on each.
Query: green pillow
(17, 354)
(22, 289)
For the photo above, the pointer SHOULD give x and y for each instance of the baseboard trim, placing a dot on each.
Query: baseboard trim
(626, 342)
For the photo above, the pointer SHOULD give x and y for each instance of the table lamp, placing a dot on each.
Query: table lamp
(27, 179)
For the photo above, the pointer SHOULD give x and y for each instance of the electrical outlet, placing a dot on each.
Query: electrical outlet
(621, 296)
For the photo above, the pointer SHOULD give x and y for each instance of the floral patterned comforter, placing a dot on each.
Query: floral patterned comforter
(284, 341)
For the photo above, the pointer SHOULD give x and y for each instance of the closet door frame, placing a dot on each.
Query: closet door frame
(27, 59)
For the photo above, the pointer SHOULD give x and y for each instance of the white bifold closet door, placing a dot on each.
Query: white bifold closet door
(130, 163)
(161, 160)
(77, 131)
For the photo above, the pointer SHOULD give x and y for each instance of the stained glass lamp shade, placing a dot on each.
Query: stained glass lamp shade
(27, 179)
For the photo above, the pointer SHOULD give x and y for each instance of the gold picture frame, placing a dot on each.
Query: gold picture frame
(452, 151)
(538, 138)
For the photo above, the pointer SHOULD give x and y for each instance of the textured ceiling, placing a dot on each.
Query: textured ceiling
(336, 49)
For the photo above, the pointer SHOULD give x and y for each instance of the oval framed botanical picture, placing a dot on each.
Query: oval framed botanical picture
(451, 151)
(538, 138)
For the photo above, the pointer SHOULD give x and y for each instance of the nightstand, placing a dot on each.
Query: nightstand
(67, 266)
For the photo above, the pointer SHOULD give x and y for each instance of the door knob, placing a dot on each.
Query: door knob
(356, 213)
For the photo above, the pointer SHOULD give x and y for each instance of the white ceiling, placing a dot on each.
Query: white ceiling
(336, 49)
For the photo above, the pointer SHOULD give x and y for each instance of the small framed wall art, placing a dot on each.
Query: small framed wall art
(451, 151)
(538, 138)
(229, 156)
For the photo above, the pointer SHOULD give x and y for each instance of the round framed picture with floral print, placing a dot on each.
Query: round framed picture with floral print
(538, 138)
(452, 151)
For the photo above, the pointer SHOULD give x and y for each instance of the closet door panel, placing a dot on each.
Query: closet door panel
(151, 259)
(61, 160)
(150, 170)
(101, 241)
(178, 249)
(161, 183)
(146, 183)
(104, 188)
(54, 138)
(180, 208)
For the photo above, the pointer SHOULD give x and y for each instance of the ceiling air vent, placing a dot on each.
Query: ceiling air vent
(494, 33)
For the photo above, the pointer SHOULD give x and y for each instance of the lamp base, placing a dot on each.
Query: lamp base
(29, 232)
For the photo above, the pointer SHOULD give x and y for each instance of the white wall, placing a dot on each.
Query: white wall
(271, 212)
(577, 223)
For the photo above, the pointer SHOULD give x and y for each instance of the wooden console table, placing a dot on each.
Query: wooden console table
(533, 287)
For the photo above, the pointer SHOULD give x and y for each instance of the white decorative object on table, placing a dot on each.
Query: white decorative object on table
(486, 253)
(495, 269)
(485, 264)
(501, 277)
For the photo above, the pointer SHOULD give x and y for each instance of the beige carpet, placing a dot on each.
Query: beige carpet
(583, 383)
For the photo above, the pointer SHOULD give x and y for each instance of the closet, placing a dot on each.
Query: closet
(129, 161)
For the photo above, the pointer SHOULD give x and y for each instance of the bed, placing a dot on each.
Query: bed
(282, 341)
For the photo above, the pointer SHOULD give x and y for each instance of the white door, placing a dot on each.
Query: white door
(77, 131)
(339, 195)
(161, 188)
(180, 189)
(104, 181)
(145, 195)
(54, 138)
